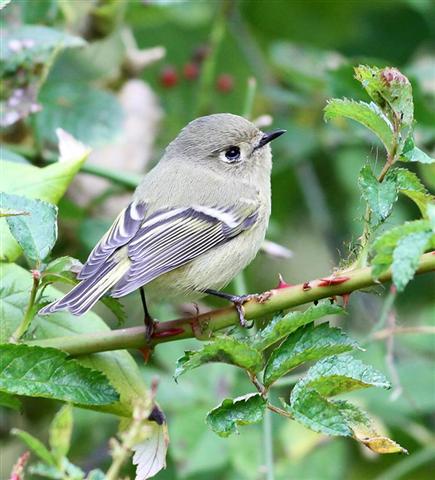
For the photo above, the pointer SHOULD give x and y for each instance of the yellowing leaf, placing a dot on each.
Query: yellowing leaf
(365, 432)
(382, 445)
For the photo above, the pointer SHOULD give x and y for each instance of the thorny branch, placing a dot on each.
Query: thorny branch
(203, 326)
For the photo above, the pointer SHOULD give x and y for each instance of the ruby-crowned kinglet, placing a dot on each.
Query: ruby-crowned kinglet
(196, 219)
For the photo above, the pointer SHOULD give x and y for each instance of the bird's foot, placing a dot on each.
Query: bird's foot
(238, 301)
(150, 326)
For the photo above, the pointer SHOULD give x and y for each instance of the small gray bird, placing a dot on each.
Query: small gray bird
(196, 220)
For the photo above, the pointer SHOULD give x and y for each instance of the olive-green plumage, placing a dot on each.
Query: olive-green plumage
(196, 220)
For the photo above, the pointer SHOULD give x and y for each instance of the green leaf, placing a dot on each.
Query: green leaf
(339, 374)
(410, 185)
(390, 89)
(43, 41)
(306, 344)
(370, 79)
(7, 155)
(318, 414)
(62, 269)
(28, 54)
(35, 445)
(380, 196)
(119, 366)
(46, 471)
(223, 349)
(96, 475)
(9, 401)
(422, 200)
(411, 153)
(72, 471)
(406, 180)
(46, 372)
(283, 325)
(368, 115)
(230, 414)
(364, 430)
(417, 155)
(406, 256)
(385, 245)
(60, 433)
(9, 212)
(92, 115)
(47, 184)
(37, 232)
(328, 377)
(116, 307)
(431, 215)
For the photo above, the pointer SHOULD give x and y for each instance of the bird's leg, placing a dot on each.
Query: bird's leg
(238, 301)
(148, 320)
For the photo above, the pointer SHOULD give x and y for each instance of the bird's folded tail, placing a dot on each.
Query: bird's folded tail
(87, 293)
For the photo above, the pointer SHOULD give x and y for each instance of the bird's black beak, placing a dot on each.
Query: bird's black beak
(268, 137)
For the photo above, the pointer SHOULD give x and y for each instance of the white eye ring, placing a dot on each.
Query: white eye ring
(231, 155)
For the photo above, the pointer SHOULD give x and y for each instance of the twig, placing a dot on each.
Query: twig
(386, 332)
(30, 311)
(386, 308)
(207, 323)
(258, 385)
(135, 433)
(279, 411)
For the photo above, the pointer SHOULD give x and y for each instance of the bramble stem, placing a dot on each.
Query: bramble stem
(203, 326)
(29, 314)
(279, 411)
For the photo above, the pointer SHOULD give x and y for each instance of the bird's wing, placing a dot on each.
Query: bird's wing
(123, 230)
(171, 238)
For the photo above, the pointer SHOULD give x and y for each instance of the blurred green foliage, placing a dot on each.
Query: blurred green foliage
(301, 53)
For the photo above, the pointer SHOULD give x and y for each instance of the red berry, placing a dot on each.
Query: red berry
(191, 71)
(225, 83)
(168, 77)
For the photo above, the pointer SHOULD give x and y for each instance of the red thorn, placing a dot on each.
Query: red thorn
(393, 289)
(171, 332)
(146, 353)
(328, 282)
(282, 283)
(306, 286)
(346, 297)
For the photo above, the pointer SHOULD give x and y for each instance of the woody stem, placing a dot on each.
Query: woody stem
(203, 326)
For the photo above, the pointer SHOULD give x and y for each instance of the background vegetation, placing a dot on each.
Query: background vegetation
(146, 70)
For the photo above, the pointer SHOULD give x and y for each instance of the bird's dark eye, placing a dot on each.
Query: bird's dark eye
(232, 154)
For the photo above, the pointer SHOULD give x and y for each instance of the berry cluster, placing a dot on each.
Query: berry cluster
(169, 76)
